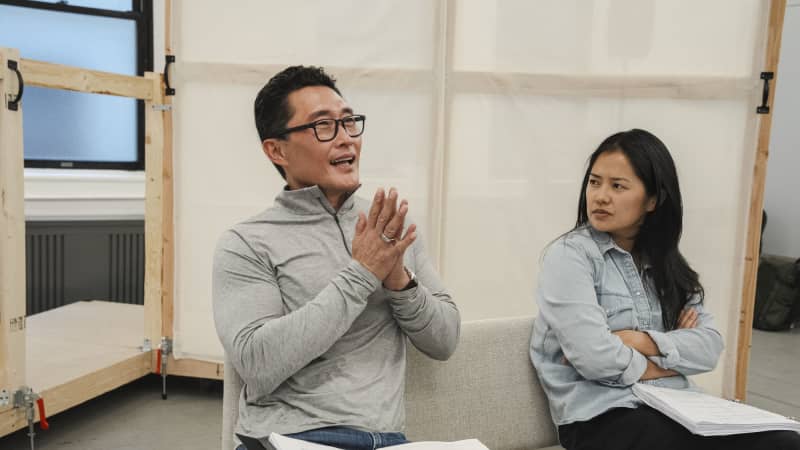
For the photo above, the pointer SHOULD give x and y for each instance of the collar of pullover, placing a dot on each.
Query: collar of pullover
(311, 200)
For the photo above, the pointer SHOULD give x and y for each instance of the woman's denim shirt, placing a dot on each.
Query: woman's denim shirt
(589, 287)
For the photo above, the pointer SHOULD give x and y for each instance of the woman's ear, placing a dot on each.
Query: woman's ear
(651, 203)
(274, 151)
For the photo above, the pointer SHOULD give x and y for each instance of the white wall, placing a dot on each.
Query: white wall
(782, 194)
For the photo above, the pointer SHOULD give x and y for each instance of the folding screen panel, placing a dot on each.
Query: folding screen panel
(383, 55)
(483, 114)
(534, 87)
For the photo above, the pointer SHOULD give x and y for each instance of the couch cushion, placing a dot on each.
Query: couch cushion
(487, 390)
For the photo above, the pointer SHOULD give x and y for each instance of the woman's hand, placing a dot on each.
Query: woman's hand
(653, 371)
(688, 318)
(639, 341)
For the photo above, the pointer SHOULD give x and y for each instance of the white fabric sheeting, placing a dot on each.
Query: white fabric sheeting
(512, 157)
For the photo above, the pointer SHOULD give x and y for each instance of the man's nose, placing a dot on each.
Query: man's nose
(342, 138)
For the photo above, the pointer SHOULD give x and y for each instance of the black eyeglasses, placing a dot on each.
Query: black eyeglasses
(326, 129)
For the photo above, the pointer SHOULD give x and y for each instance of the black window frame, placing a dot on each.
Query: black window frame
(142, 14)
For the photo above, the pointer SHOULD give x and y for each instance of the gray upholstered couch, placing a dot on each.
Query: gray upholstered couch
(486, 390)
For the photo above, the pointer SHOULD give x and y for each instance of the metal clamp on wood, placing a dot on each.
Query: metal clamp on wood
(164, 350)
(25, 398)
(13, 105)
(764, 108)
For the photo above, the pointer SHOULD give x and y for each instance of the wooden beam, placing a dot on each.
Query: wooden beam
(776, 15)
(154, 213)
(167, 225)
(77, 391)
(12, 233)
(168, 27)
(159, 225)
(194, 368)
(57, 76)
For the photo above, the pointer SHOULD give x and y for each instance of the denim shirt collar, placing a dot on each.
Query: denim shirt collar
(603, 240)
(605, 243)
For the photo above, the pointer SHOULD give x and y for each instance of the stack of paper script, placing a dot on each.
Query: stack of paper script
(707, 415)
(281, 442)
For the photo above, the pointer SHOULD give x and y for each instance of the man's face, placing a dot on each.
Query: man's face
(333, 165)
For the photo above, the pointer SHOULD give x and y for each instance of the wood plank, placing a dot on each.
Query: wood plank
(77, 391)
(79, 351)
(168, 27)
(12, 234)
(154, 215)
(167, 224)
(57, 76)
(194, 368)
(79, 339)
(775, 30)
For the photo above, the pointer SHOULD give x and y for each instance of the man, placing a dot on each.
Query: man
(313, 298)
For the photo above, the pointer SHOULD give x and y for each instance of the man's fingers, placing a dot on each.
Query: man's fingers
(411, 229)
(361, 224)
(408, 239)
(388, 210)
(375, 209)
(395, 226)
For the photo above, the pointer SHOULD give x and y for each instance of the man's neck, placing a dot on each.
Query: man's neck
(336, 200)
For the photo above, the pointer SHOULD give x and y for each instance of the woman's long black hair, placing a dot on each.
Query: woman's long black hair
(660, 233)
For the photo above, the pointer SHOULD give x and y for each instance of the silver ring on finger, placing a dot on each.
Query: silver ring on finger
(387, 239)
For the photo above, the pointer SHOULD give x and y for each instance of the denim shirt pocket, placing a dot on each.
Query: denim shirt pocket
(620, 313)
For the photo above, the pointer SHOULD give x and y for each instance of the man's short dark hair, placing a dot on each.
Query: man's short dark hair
(272, 110)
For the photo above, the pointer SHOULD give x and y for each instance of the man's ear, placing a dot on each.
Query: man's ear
(274, 151)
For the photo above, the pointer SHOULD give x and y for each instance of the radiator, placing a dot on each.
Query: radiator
(72, 261)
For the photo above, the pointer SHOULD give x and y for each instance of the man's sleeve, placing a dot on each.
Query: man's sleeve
(265, 344)
(427, 313)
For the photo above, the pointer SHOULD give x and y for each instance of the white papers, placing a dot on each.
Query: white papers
(711, 416)
(281, 442)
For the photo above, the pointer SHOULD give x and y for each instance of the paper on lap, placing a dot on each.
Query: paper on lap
(281, 442)
(711, 416)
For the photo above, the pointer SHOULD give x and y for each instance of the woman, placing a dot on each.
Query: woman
(618, 304)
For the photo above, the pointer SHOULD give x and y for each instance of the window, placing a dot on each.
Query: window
(64, 129)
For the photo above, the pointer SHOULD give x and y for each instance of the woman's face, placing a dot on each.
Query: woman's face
(616, 199)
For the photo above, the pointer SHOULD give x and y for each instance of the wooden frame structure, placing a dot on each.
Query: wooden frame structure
(773, 52)
(159, 246)
(157, 310)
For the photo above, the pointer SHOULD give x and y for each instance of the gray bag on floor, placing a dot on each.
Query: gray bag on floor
(777, 305)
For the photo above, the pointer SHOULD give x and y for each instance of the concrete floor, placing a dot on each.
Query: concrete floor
(773, 381)
(135, 417)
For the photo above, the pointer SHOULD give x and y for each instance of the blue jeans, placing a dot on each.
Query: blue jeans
(348, 438)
